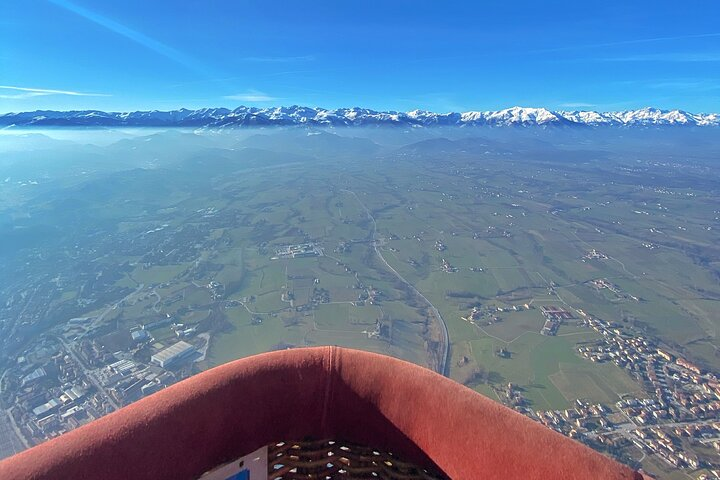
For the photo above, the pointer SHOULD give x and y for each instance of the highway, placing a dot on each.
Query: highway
(444, 357)
(101, 317)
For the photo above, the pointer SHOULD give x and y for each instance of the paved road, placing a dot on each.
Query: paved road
(88, 373)
(10, 444)
(443, 366)
(115, 305)
(625, 429)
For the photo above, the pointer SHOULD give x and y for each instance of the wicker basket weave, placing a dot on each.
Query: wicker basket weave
(328, 459)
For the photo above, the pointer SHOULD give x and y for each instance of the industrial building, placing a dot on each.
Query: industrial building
(272, 397)
(36, 374)
(172, 354)
(139, 335)
(50, 406)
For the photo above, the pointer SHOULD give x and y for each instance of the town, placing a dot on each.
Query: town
(679, 416)
(455, 262)
(59, 384)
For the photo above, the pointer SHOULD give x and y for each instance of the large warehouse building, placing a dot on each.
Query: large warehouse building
(349, 409)
(172, 354)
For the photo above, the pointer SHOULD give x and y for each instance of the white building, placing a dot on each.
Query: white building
(172, 354)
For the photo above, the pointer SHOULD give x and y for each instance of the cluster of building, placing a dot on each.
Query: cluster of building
(603, 283)
(554, 317)
(217, 290)
(579, 422)
(488, 314)
(379, 331)
(297, 251)
(371, 295)
(492, 232)
(684, 399)
(447, 268)
(594, 255)
(475, 315)
(127, 380)
(682, 389)
(600, 283)
(53, 398)
(343, 247)
(668, 445)
(513, 396)
(57, 386)
(600, 427)
(183, 331)
(680, 413)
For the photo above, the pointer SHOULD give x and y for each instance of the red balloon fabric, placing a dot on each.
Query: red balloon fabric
(324, 392)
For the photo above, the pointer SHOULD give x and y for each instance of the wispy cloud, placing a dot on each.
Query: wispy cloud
(302, 58)
(619, 43)
(667, 57)
(133, 35)
(689, 84)
(17, 96)
(683, 84)
(26, 92)
(575, 47)
(252, 96)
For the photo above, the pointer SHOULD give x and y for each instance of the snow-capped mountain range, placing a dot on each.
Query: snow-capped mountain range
(296, 115)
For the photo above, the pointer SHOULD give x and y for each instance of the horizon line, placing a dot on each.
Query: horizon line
(388, 111)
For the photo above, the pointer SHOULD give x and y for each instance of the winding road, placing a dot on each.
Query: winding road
(444, 356)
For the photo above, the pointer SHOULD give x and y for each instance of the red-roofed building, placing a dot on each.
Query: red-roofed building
(315, 413)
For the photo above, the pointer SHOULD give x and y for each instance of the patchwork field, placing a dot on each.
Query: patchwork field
(464, 235)
(394, 235)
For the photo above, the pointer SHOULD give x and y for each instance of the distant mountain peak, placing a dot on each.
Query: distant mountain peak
(357, 116)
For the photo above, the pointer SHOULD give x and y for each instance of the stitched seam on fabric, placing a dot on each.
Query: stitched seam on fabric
(328, 362)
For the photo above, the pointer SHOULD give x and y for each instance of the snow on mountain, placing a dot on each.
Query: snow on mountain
(522, 116)
(298, 115)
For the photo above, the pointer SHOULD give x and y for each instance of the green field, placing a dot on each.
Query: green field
(466, 229)
(550, 372)
(501, 245)
(399, 235)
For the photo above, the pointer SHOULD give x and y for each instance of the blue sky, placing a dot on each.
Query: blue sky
(390, 55)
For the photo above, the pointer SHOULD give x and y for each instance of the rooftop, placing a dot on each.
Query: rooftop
(307, 399)
(177, 349)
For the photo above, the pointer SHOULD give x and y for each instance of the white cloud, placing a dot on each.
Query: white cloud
(252, 96)
(21, 96)
(40, 92)
(132, 35)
